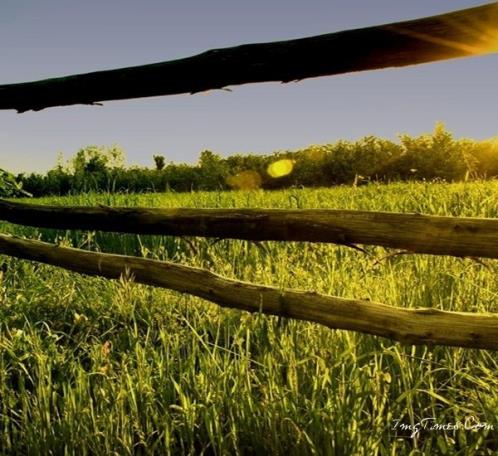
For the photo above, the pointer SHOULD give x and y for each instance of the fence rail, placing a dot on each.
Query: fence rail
(417, 233)
(463, 33)
(408, 326)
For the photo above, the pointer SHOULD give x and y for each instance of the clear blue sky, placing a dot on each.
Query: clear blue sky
(40, 39)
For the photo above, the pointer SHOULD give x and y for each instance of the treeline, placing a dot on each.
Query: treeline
(435, 156)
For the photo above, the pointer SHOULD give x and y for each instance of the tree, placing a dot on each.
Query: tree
(213, 171)
(94, 167)
(98, 158)
(159, 161)
(431, 156)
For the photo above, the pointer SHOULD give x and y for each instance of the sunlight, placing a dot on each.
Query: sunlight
(491, 41)
(474, 37)
(280, 168)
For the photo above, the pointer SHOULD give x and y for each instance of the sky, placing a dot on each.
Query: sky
(41, 39)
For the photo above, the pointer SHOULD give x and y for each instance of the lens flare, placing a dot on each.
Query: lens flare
(280, 168)
(245, 180)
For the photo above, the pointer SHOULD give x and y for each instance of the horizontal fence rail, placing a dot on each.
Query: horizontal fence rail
(409, 326)
(417, 233)
(463, 33)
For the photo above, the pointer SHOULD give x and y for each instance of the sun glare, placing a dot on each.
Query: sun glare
(472, 37)
(491, 41)
(280, 168)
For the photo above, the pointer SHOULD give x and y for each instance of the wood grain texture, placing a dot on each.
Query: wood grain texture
(408, 326)
(417, 233)
(463, 33)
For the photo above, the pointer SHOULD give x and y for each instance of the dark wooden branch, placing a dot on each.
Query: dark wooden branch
(462, 237)
(408, 326)
(463, 33)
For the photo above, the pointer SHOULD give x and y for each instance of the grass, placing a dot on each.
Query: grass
(89, 366)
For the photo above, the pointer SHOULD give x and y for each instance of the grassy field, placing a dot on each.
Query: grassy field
(89, 366)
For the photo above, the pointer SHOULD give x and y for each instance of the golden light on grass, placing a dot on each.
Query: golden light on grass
(280, 168)
(245, 180)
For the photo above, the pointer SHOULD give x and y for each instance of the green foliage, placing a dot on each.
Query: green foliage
(94, 159)
(94, 167)
(159, 162)
(213, 171)
(10, 186)
(435, 156)
(481, 157)
(96, 367)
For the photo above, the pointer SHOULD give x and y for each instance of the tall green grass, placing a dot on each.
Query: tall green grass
(89, 366)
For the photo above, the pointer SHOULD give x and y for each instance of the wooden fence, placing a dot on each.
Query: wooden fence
(415, 233)
(463, 33)
(459, 34)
